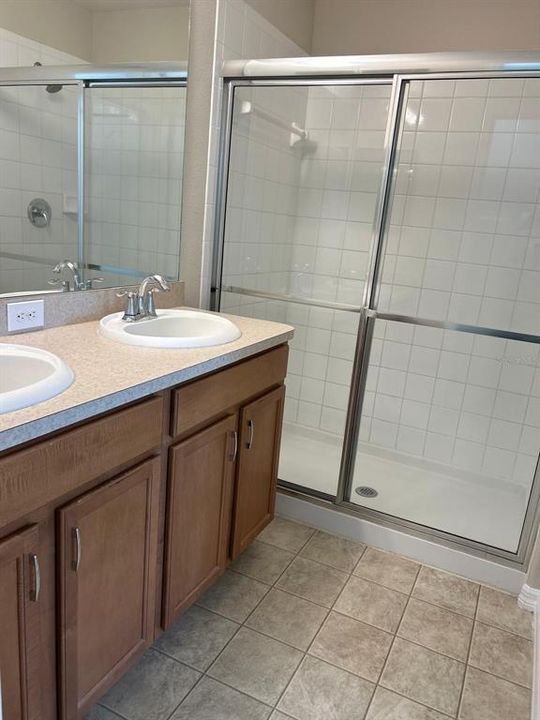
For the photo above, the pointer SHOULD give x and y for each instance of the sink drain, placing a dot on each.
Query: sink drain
(365, 491)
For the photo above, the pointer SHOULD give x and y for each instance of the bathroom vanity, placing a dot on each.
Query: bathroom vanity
(110, 527)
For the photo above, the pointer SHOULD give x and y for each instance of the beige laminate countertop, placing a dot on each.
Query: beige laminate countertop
(109, 374)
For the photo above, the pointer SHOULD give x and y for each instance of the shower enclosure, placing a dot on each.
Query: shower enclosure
(391, 213)
(103, 148)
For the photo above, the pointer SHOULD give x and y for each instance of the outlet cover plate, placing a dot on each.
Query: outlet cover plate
(26, 315)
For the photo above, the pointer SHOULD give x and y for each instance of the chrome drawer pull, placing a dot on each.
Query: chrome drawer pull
(36, 590)
(235, 446)
(251, 428)
(76, 534)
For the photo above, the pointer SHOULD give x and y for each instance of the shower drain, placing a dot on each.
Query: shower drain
(365, 491)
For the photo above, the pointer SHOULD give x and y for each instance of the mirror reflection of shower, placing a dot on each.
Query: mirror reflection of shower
(52, 89)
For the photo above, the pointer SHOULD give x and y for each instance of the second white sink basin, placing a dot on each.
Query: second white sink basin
(172, 329)
(29, 376)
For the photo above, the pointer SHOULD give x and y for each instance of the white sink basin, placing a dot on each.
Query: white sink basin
(172, 329)
(29, 376)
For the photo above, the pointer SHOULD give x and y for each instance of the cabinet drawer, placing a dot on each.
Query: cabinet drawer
(44, 472)
(202, 400)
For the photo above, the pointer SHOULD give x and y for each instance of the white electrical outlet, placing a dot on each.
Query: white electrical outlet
(25, 315)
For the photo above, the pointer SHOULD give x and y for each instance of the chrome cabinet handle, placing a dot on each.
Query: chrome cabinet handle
(235, 446)
(251, 428)
(36, 590)
(76, 535)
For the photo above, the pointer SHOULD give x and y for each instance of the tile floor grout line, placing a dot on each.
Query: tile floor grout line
(467, 662)
(113, 712)
(186, 695)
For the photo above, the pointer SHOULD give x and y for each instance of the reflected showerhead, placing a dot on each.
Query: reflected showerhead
(52, 89)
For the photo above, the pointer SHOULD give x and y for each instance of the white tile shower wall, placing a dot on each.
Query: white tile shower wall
(240, 32)
(463, 246)
(38, 158)
(134, 178)
(263, 198)
(339, 185)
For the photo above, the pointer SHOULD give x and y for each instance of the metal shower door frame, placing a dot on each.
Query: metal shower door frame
(367, 310)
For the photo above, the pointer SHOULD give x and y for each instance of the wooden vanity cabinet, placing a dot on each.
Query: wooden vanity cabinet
(108, 552)
(255, 491)
(136, 512)
(20, 636)
(201, 477)
(222, 478)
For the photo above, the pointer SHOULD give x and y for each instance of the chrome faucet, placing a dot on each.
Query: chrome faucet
(73, 268)
(140, 305)
(76, 282)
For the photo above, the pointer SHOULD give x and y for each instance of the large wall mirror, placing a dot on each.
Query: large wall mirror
(92, 115)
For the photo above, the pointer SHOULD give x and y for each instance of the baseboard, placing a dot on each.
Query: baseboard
(529, 598)
(330, 518)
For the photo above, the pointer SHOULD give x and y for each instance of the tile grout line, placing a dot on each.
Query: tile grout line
(243, 625)
(394, 636)
(467, 665)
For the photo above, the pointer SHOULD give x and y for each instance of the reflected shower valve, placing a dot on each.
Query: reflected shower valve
(39, 212)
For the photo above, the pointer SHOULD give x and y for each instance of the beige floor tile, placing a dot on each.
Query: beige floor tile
(286, 534)
(263, 562)
(486, 697)
(501, 609)
(211, 699)
(386, 705)
(447, 590)
(331, 550)
(197, 637)
(393, 571)
(501, 653)
(311, 580)
(233, 596)
(371, 603)
(257, 665)
(437, 629)
(152, 689)
(352, 645)
(320, 691)
(277, 715)
(424, 676)
(288, 618)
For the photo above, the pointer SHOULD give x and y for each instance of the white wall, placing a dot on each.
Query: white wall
(345, 27)
(294, 19)
(140, 35)
(61, 24)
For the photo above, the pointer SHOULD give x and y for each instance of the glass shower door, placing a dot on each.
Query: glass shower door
(305, 170)
(449, 433)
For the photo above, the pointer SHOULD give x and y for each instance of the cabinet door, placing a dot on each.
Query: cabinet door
(255, 493)
(20, 638)
(198, 514)
(108, 544)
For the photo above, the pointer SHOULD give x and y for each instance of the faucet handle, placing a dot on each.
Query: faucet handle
(150, 302)
(90, 282)
(131, 311)
(58, 281)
